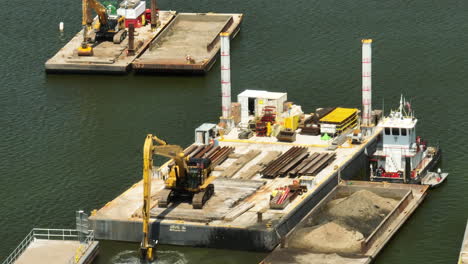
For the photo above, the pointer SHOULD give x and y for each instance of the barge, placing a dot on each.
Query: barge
(189, 44)
(107, 57)
(185, 42)
(350, 225)
(238, 216)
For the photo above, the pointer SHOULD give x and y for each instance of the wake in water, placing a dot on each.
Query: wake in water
(163, 257)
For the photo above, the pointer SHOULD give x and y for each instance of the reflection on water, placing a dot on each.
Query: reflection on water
(163, 257)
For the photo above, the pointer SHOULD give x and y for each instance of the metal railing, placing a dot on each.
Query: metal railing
(52, 234)
(19, 249)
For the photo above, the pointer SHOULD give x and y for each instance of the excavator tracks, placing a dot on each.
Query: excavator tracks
(120, 36)
(164, 198)
(199, 199)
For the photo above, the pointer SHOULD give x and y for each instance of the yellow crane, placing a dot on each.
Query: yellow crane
(107, 28)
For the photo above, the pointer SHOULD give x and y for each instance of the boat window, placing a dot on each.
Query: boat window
(395, 131)
(403, 131)
(387, 131)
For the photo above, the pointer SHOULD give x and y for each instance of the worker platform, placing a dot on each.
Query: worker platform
(185, 42)
(108, 57)
(350, 225)
(190, 43)
(240, 208)
(55, 246)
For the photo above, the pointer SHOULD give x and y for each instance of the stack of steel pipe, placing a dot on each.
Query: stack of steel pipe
(202, 152)
(216, 154)
(286, 162)
(314, 164)
(219, 156)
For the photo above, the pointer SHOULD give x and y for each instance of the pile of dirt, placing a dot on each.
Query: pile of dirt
(361, 204)
(362, 211)
(327, 238)
(344, 223)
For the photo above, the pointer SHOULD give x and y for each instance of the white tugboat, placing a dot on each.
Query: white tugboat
(402, 156)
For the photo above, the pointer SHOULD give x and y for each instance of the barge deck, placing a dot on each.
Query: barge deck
(108, 57)
(189, 44)
(238, 216)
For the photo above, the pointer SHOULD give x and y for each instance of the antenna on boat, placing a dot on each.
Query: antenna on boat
(383, 106)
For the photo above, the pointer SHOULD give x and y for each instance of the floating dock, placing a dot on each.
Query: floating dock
(330, 234)
(182, 42)
(55, 246)
(190, 43)
(239, 210)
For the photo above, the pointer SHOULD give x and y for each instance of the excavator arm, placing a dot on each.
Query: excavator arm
(149, 149)
(146, 248)
(100, 11)
(85, 49)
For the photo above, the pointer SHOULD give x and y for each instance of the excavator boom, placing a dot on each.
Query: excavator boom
(146, 248)
(100, 11)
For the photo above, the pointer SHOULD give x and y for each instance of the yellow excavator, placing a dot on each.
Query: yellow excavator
(107, 28)
(188, 178)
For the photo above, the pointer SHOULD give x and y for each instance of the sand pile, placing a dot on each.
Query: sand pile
(327, 238)
(362, 211)
(361, 204)
(344, 223)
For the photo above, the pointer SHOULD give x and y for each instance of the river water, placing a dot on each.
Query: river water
(71, 142)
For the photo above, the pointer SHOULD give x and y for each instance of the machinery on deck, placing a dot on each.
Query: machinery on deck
(188, 178)
(107, 28)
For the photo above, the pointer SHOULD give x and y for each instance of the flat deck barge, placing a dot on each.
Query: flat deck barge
(190, 43)
(185, 42)
(329, 234)
(108, 57)
(55, 246)
(238, 215)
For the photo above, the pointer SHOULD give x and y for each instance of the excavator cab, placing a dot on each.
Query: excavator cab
(114, 30)
(107, 28)
(197, 172)
(195, 185)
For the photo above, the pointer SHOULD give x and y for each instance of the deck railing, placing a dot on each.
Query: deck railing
(52, 234)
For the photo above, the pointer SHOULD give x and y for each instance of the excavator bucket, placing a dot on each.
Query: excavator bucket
(85, 51)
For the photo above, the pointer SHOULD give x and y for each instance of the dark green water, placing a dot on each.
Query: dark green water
(74, 142)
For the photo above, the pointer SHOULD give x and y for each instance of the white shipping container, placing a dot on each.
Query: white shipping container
(262, 99)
